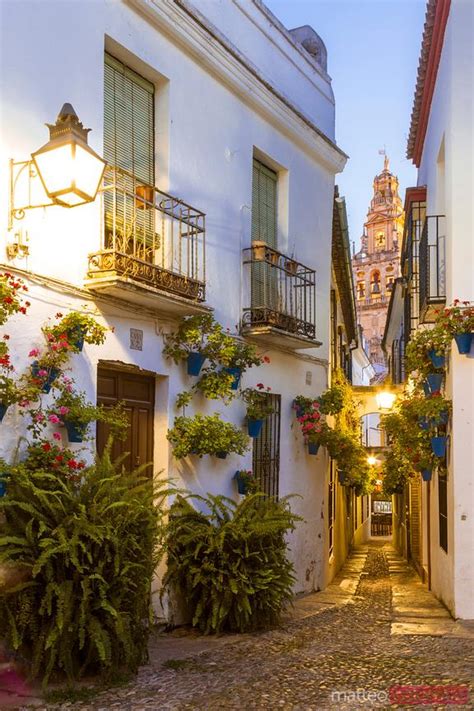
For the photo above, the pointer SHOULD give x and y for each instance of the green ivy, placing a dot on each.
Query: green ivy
(206, 434)
(231, 564)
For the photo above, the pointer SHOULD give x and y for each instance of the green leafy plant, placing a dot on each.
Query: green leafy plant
(206, 434)
(10, 393)
(331, 402)
(435, 339)
(89, 548)
(249, 481)
(76, 325)
(194, 333)
(458, 318)
(72, 406)
(395, 474)
(258, 404)
(231, 564)
(215, 385)
(234, 353)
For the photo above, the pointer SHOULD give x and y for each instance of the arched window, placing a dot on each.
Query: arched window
(371, 433)
(375, 283)
(361, 289)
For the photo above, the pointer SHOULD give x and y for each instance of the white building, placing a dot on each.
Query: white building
(437, 262)
(206, 102)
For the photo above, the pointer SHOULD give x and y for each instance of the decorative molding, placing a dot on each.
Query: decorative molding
(189, 29)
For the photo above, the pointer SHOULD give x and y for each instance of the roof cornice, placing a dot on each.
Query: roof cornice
(436, 18)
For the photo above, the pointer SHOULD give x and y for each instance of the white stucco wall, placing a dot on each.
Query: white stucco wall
(210, 116)
(449, 191)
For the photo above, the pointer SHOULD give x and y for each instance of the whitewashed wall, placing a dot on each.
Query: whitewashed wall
(210, 115)
(449, 191)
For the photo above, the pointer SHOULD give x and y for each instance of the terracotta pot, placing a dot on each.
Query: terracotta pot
(147, 193)
(258, 250)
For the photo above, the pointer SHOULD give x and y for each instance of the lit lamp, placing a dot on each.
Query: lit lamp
(69, 169)
(385, 399)
(372, 460)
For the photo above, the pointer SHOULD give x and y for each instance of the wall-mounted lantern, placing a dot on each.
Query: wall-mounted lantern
(385, 400)
(69, 170)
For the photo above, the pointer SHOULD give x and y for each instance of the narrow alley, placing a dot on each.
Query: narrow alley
(368, 639)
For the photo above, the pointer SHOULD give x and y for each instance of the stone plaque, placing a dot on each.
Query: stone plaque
(136, 339)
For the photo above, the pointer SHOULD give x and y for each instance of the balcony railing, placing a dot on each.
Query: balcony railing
(282, 294)
(149, 237)
(373, 300)
(432, 264)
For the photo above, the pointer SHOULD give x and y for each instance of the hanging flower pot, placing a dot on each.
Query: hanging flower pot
(48, 379)
(254, 427)
(221, 455)
(438, 446)
(237, 373)
(426, 474)
(439, 361)
(341, 477)
(3, 409)
(435, 382)
(442, 419)
(76, 338)
(423, 423)
(242, 483)
(313, 447)
(75, 432)
(463, 342)
(3, 488)
(195, 362)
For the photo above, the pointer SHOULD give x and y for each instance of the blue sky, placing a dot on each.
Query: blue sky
(373, 49)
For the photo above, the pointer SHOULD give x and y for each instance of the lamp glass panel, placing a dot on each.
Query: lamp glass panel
(56, 167)
(385, 400)
(88, 169)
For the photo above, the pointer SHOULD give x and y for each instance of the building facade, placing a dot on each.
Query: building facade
(435, 519)
(217, 125)
(376, 265)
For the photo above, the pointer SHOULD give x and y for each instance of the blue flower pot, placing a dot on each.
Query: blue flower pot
(313, 447)
(242, 486)
(221, 455)
(254, 427)
(438, 446)
(426, 474)
(48, 380)
(426, 388)
(3, 409)
(435, 382)
(439, 361)
(298, 409)
(443, 418)
(341, 477)
(463, 342)
(195, 362)
(75, 433)
(237, 373)
(423, 423)
(3, 488)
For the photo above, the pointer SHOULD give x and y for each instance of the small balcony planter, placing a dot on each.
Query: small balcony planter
(423, 423)
(221, 455)
(75, 432)
(237, 373)
(438, 446)
(291, 266)
(195, 362)
(463, 342)
(426, 474)
(48, 379)
(313, 447)
(439, 361)
(254, 427)
(3, 409)
(434, 382)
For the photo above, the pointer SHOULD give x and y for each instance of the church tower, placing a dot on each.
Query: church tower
(377, 264)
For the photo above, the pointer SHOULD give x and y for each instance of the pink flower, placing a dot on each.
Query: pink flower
(24, 403)
(63, 410)
(56, 435)
(42, 373)
(34, 353)
(39, 417)
(54, 419)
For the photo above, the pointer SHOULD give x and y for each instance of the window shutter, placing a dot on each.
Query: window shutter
(264, 204)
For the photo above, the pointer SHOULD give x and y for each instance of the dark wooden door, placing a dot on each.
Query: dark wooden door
(137, 392)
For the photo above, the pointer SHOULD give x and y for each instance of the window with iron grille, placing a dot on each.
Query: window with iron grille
(266, 451)
(129, 146)
(332, 504)
(443, 512)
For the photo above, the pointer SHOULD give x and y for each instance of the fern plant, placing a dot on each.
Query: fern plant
(231, 563)
(87, 549)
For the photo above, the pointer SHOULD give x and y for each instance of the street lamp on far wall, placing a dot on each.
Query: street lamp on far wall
(385, 400)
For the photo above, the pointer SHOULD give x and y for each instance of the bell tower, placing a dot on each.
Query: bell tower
(377, 264)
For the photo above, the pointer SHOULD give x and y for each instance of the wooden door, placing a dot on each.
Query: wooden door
(138, 394)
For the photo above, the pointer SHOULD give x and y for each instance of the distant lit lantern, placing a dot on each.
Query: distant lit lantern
(372, 460)
(70, 170)
(385, 400)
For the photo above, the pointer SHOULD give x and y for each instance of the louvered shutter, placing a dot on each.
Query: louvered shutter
(264, 228)
(128, 144)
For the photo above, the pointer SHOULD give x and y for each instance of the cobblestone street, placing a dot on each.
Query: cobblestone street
(374, 628)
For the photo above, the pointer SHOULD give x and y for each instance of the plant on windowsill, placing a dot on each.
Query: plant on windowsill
(259, 407)
(78, 327)
(206, 434)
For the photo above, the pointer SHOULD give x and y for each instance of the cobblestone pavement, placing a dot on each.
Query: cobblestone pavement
(376, 627)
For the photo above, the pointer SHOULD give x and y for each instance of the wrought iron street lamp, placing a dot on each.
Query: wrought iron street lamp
(69, 170)
(385, 399)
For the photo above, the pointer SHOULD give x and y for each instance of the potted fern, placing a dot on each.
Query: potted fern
(259, 407)
(206, 434)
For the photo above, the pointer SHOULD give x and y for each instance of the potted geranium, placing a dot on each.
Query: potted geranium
(309, 417)
(426, 350)
(47, 364)
(331, 401)
(77, 327)
(197, 338)
(458, 321)
(206, 434)
(12, 289)
(259, 407)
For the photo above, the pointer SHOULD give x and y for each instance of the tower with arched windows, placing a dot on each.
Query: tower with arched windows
(377, 264)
